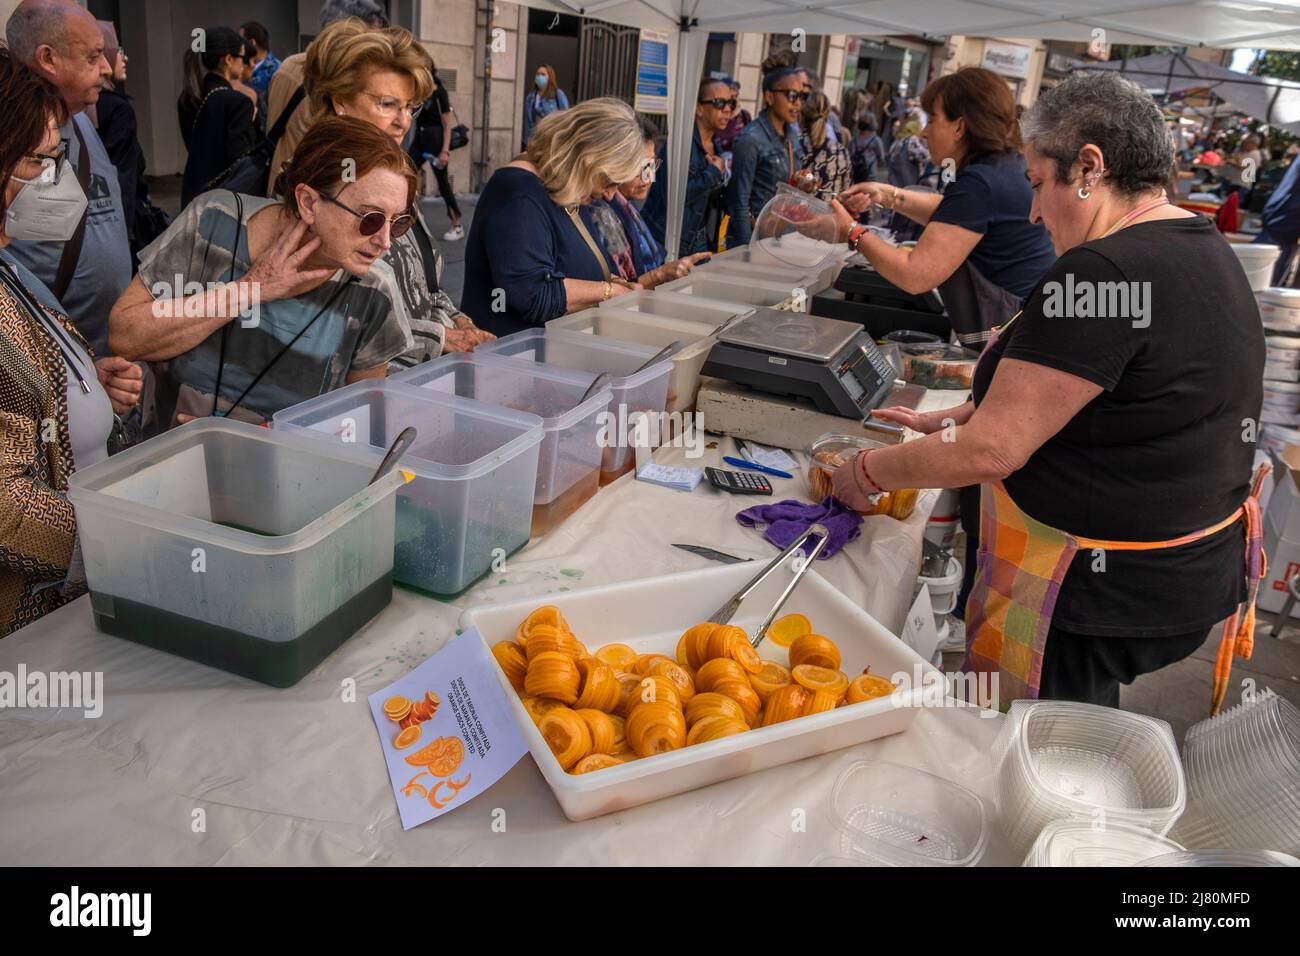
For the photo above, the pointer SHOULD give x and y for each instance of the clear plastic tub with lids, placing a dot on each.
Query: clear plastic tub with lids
(833, 449)
(674, 305)
(1058, 759)
(695, 340)
(631, 390)
(743, 260)
(245, 549)
(1093, 843)
(742, 291)
(475, 470)
(568, 461)
(900, 816)
(810, 279)
(796, 229)
(1222, 858)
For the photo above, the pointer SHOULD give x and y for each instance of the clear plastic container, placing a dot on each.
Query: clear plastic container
(753, 293)
(1279, 309)
(833, 449)
(475, 470)
(632, 391)
(823, 274)
(657, 331)
(252, 551)
(674, 305)
(1058, 759)
(1085, 843)
(568, 461)
(1243, 778)
(796, 228)
(906, 817)
(808, 279)
(1222, 858)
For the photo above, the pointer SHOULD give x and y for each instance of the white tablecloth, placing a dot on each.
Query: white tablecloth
(296, 776)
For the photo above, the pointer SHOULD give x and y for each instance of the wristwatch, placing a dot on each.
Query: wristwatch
(856, 233)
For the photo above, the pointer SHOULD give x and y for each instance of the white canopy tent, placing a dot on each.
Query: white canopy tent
(1274, 24)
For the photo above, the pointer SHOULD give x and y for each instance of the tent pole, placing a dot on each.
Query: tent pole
(690, 49)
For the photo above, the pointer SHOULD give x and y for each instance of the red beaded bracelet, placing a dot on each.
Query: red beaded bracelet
(862, 464)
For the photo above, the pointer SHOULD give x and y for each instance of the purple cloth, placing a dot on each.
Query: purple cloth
(786, 520)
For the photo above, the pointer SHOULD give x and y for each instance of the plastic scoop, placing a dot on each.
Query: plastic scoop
(405, 438)
(659, 356)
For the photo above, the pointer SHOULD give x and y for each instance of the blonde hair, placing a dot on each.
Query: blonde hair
(343, 53)
(815, 112)
(572, 149)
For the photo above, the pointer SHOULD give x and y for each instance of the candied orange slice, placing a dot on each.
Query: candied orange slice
(617, 656)
(553, 674)
(656, 727)
(719, 669)
(712, 704)
(547, 614)
(566, 733)
(786, 703)
(593, 762)
(644, 662)
(601, 727)
(784, 631)
(397, 707)
(692, 647)
(597, 687)
(868, 687)
(743, 653)
(654, 687)
(442, 757)
(407, 737)
(545, 638)
(513, 661)
(821, 702)
(821, 680)
(814, 649)
(743, 694)
(677, 674)
(713, 728)
(537, 706)
(772, 677)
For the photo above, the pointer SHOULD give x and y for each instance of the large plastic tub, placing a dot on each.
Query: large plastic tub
(631, 391)
(742, 259)
(475, 468)
(675, 305)
(255, 552)
(650, 616)
(758, 293)
(568, 462)
(810, 280)
(1257, 260)
(656, 331)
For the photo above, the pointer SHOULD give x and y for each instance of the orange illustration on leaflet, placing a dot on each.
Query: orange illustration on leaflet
(446, 730)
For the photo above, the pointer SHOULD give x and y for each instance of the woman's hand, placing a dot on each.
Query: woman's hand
(846, 485)
(923, 422)
(278, 272)
(466, 336)
(844, 221)
(859, 196)
(444, 158)
(716, 162)
(677, 269)
(122, 381)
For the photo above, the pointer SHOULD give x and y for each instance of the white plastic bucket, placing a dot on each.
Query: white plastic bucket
(941, 528)
(1257, 259)
(943, 589)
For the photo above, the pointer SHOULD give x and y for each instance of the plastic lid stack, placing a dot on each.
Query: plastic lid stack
(1280, 311)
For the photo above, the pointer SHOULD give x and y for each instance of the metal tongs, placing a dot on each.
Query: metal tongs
(724, 614)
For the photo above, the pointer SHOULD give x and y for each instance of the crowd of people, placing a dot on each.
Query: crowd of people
(301, 261)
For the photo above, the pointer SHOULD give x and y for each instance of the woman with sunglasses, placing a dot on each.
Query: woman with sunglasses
(766, 153)
(625, 237)
(714, 106)
(56, 401)
(216, 119)
(248, 305)
(384, 77)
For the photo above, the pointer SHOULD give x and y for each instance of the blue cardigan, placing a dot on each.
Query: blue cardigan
(524, 245)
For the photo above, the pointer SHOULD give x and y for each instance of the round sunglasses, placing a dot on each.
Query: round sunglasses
(372, 222)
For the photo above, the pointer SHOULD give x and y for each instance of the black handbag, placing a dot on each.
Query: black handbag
(250, 174)
(459, 133)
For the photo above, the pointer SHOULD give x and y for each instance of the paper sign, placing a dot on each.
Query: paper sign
(468, 743)
(919, 632)
(776, 458)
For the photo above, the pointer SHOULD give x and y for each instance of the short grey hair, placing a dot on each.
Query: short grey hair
(366, 10)
(1110, 112)
(36, 24)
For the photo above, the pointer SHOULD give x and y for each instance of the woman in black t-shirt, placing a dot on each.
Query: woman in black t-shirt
(1113, 422)
(432, 144)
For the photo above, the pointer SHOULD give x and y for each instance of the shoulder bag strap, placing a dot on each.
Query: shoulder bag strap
(276, 131)
(72, 248)
(591, 243)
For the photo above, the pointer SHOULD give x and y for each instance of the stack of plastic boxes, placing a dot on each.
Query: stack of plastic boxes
(1280, 311)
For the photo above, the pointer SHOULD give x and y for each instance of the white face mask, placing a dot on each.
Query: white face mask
(46, 210)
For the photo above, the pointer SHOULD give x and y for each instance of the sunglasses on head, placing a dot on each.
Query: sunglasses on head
(720, 104)
(372, 222)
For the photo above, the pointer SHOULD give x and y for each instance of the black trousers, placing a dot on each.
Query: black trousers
(1087, 669)
(444, 181)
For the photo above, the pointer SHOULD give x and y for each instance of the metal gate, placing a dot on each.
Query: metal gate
(607, 60)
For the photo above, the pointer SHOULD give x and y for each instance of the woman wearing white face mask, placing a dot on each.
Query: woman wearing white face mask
(56, 404)
(542, 100)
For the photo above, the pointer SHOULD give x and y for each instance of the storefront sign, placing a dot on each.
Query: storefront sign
(652, 73)
(1008, 59)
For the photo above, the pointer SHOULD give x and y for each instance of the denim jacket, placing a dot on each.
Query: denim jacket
(537, 108)
(702, 182)
(759, 161)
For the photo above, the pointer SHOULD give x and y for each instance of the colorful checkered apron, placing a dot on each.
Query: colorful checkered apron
(1018, 576)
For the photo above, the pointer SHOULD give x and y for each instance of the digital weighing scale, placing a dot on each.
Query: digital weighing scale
(833, 364)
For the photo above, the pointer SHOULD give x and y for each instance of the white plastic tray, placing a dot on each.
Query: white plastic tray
(650, 615)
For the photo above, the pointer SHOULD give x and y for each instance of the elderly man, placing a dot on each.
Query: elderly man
(287, 81)
(62, 42)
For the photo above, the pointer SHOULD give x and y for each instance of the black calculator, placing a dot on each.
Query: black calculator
(738, 482)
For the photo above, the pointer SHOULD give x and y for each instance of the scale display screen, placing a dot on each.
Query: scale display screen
(853, 387)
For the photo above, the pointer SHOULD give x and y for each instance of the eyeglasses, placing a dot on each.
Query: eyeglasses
(51, 166)
(372, 222)
(391, 105)
(794, 96)
(720, 104)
